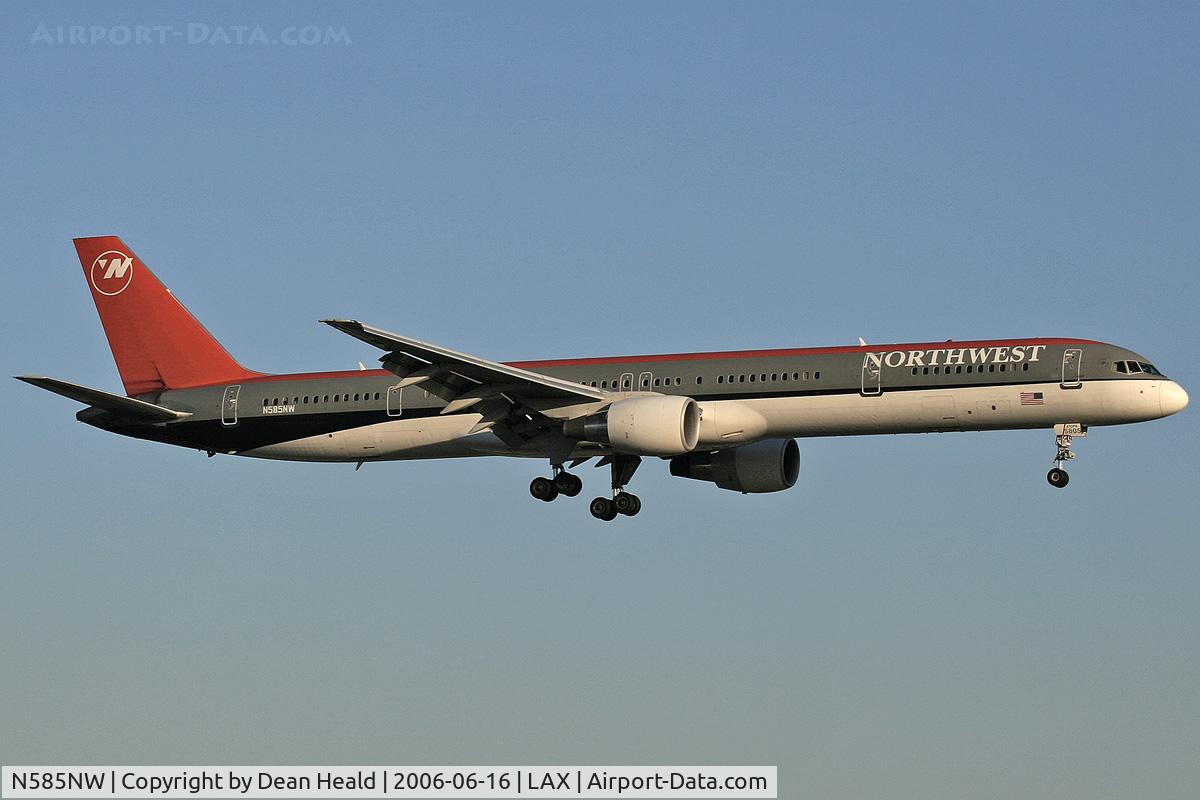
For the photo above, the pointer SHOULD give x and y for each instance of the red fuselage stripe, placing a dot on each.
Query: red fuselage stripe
(714, 356)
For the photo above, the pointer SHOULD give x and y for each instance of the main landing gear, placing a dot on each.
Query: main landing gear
(564, 483)
(1063, 433)
(622, 502)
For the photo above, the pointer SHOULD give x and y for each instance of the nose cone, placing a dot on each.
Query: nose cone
(1171, 398)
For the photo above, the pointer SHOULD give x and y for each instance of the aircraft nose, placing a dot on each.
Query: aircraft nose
(1171, 398)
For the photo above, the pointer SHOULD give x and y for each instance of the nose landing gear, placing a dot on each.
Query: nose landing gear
(1063, 434)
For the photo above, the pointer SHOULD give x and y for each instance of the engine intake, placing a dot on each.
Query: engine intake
(647, 426)
(769, 465)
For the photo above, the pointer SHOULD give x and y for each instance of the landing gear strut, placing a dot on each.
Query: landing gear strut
(563, 482)
(1063, 434)
(622, 502)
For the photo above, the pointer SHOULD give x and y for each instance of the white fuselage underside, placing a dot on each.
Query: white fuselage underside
(1107, 402)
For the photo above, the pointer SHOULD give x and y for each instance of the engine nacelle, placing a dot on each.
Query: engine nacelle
(647, 426)
(770, 465)
(725, 422)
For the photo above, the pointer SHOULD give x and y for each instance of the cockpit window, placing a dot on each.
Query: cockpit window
(1135, 368)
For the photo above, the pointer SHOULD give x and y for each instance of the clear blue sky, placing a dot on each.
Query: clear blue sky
(921, 617)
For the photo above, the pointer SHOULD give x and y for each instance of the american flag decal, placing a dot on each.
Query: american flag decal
(1032, 399)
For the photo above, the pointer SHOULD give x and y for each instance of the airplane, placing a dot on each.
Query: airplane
(728, 418)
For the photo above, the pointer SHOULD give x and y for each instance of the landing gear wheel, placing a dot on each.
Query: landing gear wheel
(627, 504)
(567, 484)
(1058, 477)
(603, 508)
(543, 489)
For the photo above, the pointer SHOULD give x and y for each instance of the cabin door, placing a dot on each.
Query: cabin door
(1071, 368)
(395, 396)
(872, 374)
(229, 405)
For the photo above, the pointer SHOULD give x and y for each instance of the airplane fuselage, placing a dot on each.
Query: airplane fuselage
(875, 389)
(727, 418)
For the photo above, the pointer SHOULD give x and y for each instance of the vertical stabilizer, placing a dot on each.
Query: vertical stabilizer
(155, 341)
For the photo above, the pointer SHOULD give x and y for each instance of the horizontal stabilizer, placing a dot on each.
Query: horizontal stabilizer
(125, 406)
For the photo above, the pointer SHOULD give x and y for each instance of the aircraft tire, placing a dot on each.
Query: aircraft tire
(543, 489)
(627, 504)
(567, 484)
(1058, 478)
(603, 508)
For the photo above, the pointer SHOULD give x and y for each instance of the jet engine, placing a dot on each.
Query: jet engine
(648, 426)
(769, 465)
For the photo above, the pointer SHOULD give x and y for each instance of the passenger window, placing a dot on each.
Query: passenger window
(752, 377)
(1002, 367)
(656, 381)
(925, 371)
(306, 399)
(817, 375)
(774, 377)
(741, 378)
(1025, 367)
(720, 379)
(700, 380)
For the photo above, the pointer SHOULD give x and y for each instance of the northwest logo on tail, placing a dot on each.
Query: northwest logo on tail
(112, 272)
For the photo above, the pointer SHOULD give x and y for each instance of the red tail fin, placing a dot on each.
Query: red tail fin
(156, 343)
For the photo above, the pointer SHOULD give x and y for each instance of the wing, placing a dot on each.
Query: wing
(500, 393)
